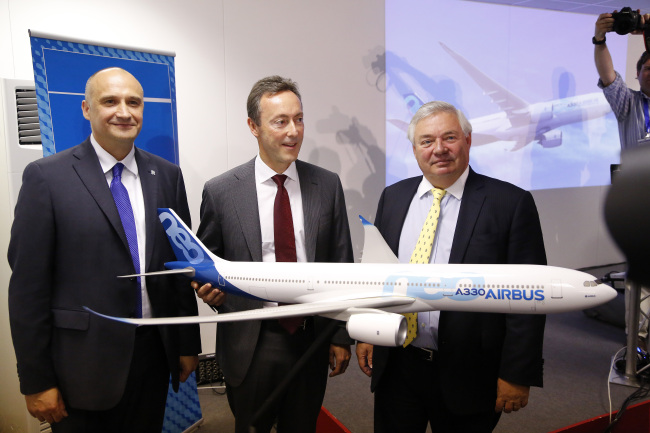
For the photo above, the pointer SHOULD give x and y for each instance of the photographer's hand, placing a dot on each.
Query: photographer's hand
(644, 19)
(602, 57)
(604, 24)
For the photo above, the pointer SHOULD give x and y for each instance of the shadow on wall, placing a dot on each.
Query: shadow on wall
(365, 166)
(363, 170)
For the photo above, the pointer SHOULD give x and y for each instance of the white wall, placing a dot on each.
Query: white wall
(222, 48)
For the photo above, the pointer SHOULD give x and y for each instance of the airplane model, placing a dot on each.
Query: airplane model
(518, 120)
(370, 295)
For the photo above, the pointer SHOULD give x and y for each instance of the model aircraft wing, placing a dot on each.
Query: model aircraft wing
(375, 248)
(189, 272)
(515, 107)
(308, 309)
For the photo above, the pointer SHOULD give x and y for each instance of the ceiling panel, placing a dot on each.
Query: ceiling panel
(592, 7)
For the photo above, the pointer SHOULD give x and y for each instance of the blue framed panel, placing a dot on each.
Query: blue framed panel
(61, 70)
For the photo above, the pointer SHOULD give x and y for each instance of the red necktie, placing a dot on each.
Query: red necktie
(284, 238)
(285, 241)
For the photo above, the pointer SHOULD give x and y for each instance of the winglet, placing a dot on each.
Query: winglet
(375, 248)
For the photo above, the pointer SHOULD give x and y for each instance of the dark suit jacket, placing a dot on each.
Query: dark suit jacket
(230, 228)
(497, 223)
(67, 247)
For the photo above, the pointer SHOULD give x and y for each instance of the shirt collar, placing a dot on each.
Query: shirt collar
(456, 189)
(264, 173)
(107, 161)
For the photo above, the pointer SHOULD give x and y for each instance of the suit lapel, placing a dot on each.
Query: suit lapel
(310, 193)
(243, 195)
(147, 170)
(470, 208)
(400, 210)
(90, 172)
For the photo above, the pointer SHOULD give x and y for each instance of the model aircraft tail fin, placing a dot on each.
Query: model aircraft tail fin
(187, 247)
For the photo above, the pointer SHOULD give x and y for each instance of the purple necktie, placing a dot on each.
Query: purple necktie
(284, 239)
(123, 203)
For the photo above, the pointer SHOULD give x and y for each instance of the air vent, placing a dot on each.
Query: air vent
(29, 130)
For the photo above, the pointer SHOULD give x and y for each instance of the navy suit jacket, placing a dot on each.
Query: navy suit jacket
(497, 224)
(67, 247)
(230, 228)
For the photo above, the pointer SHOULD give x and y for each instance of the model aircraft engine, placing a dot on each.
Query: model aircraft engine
(387, 329)
(550, 139)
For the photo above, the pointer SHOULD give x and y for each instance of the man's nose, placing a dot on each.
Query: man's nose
(439, 147)
(123, 110)
(292, 129)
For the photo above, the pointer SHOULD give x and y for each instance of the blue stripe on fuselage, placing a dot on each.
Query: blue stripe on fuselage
(207, 273)
(416, 286)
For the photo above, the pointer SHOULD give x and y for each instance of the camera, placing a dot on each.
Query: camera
(626, 21)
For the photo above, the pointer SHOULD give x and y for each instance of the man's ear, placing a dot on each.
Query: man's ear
(469, 139)
(85, 107)
(253, 127)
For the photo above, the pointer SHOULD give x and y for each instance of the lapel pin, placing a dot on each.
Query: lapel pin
(153, 172)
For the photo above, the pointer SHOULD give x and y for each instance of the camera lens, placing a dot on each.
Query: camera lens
(626, 21)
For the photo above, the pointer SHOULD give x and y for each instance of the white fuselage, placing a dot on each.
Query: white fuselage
(461, 287)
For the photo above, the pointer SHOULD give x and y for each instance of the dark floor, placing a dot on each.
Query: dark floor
(577, 351)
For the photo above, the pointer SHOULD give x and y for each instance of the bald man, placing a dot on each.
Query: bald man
(68, 243)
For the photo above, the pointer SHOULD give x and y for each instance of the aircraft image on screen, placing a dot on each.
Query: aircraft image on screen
(518, 121)
(370, 295)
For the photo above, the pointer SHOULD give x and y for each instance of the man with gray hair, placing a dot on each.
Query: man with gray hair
(457, 371)
(275, 208)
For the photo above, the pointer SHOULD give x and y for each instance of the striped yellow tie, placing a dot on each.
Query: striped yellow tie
(422, 254)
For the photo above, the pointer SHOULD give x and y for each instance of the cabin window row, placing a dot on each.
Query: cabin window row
(435, 285)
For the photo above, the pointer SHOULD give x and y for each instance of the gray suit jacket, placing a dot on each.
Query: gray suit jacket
(67, 247)
(230, 228)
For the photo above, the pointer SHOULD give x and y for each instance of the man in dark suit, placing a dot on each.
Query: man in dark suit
(462, 369)
(69, 242)
(238, 223)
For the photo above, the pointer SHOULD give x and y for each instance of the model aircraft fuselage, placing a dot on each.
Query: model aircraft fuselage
(369, 295)
(529, 289)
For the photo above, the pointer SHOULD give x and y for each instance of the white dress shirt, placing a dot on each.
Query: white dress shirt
(131, 181)
(418, 210)
(266, 191)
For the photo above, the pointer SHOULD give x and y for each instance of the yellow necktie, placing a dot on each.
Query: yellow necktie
(422, 254)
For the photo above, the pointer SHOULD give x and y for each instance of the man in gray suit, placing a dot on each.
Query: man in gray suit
(237, 223)
(69, 242)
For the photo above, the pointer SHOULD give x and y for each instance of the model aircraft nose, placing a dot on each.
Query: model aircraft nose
(605, 293)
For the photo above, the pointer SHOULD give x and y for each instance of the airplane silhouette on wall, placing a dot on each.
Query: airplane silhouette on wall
(518, 121)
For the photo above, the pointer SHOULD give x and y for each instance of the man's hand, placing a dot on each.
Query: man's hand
(186, 365)
(210, 296)
(46, 406)
(340, 355)
(364, 357)
(604, 24)
(644, 19)
(510, 396)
